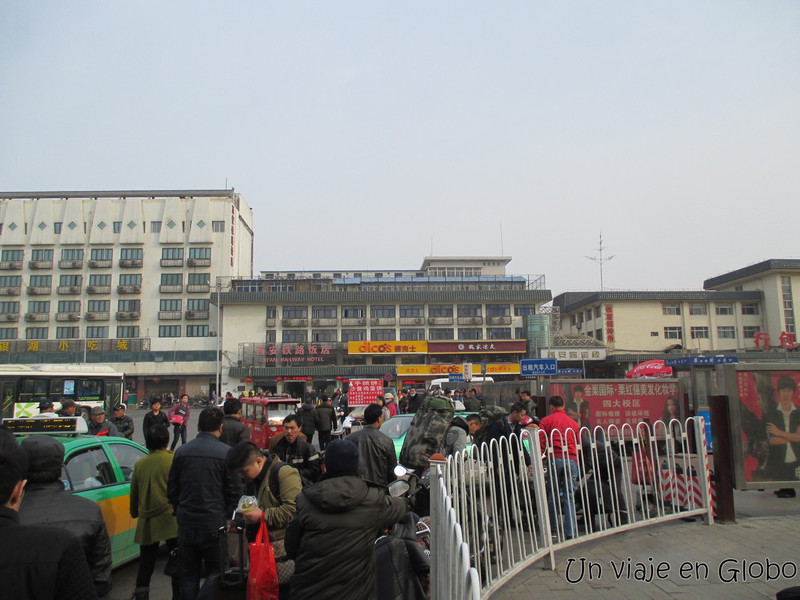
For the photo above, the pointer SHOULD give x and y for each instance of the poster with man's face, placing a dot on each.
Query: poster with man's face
(769, 417)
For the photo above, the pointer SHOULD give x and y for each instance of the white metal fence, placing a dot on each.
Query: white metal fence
(498, 508)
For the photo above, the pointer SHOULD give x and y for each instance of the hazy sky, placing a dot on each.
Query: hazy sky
(363, 132)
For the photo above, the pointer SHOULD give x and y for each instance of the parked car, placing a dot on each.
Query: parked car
(97, 468)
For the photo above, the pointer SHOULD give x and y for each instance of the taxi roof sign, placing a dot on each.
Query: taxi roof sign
(53, 425)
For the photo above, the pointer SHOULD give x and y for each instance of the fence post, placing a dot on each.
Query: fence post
(723, 457)
(439, 535)
(540, 489)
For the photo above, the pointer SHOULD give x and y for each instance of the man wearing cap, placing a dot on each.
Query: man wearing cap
(46, 410)
(122, 422)
(68, 408)
(339, 517)
(98, 424)
(46, 502)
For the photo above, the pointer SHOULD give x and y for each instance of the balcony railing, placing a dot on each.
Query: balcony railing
(132, 315)
(199, 262)
(40, 264)
(10, 291)
(98, 289)
(170, 289)
(97, 316)
(100, 264)
(68, 316)
(10, 317)
(70, 264)
(470, 320)
(194, 315)
(294, 322)
(171, 262)
(198, 288)
(32, 317)
(39, 290)
(11, 265)
(170, 315)
(130, 263)
(129, 289)
(68, 290)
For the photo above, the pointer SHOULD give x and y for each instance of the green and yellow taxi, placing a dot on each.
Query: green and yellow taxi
(95, 467)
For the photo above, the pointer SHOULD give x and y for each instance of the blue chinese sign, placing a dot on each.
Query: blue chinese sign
(570, 372)
(455, 377)
(691, 361)
(540, 366)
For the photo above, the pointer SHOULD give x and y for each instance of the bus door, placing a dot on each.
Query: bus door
(8, 390)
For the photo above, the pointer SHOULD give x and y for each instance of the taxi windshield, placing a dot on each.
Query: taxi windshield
(396, 427)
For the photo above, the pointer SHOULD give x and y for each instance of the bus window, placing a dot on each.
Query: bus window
(32, 389)
(89, 389)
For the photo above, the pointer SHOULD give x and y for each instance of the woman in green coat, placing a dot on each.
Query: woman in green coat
(150, 505)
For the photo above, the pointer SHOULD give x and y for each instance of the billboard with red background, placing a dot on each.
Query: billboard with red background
(364, 391)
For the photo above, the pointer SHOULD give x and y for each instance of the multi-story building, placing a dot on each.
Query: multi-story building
(120, 277)
(299, 330)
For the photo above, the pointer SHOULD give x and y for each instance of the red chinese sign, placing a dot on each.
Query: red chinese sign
(288, 354)
(610, 337)
(477, 346)
(364, 391)
(592, 402)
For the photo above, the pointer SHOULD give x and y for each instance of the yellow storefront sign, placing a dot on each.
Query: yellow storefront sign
(447, 369)
(387, 347)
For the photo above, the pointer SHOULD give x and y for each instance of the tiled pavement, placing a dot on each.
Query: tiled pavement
(767, 528)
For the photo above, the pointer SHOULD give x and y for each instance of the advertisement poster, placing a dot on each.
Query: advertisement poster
(364, 391)
(594, 402)
(769, 408)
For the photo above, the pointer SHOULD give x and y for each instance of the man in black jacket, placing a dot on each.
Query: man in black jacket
(203, 492)
(41, 563)
(123, 422)
(325, 421)
(376, 449)
(337, 519)
(155, 417)
(233, 430)
(46, 502)
(307, 414)
(292, 449)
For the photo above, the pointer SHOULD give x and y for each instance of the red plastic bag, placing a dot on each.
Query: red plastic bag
(262, 582)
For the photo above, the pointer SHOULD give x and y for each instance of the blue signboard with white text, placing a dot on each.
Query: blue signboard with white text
(691, 361)
(541, 366)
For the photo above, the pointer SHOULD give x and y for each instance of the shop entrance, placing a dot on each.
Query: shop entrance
(296, 389)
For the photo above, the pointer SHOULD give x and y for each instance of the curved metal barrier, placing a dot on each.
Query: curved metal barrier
(498, 508)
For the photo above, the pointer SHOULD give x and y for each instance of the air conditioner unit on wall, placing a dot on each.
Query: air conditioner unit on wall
(420, 320)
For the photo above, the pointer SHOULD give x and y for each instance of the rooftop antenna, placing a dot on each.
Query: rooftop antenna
(226, 183)
(501, 240)
(431, 244)
(600, 259)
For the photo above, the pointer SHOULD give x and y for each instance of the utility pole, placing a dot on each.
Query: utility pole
(600, 259)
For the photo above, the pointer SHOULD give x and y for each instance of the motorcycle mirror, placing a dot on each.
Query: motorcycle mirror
(398, 488)
(400, 470)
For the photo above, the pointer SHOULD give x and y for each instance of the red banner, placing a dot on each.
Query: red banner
(593, 402)
(477, 346)
(364, 391)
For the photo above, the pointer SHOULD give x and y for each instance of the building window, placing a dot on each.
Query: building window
(97, 332)
(170, 305)
(788, 304)
(200, 279)
(169, 331)
(57, 227)
(470, 333)
(39, 306)
(523, 310)
(749, 308)
(412, 335)
(70, 280)
(8, 333)
(589, 315)
(440, 334)
(102, 254)
(41, 280)
(172, 279)
(322, 312)
(9, 308)
(272, 312)
(292, 336)
(498, 333)
(11, 255)
(726, 332)
(272, 336)
(155, 226)
(469, 310)
(72, 254)
(130, 279)
(127, 331)
(441, 311)
(698, 309)
(724, 309)
(410, 311)
(324, 335)
(66, 306)
(498, 310)
(519, 333)
(129, 305)
(10, 280)
(36, 333)
(354, 335)
(295, 312)
(218, 226)
(698, 333)
(749, 331)
(68, 333)
(117, 226)
(598, 313)
(200, 253)
(377, 335)
(131, 253)
(172, 253)
(383, 311)
(98, 305)
(197, 304)
(354, 312)
(197, 331)
(100, 280)
(599, 334)
(671, 309)
(42, 255)
(673, 333)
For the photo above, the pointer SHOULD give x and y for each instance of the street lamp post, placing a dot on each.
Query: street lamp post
(219, 339)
